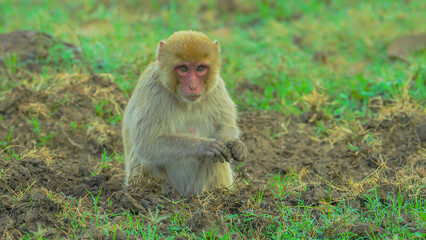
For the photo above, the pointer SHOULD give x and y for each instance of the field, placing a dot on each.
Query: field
(331, 96)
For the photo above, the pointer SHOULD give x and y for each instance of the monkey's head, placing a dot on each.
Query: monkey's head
(189, 64)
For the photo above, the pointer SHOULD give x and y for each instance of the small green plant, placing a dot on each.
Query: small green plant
(95, 205)
(34, 122)
(11, 63)
(112, 120)
(100, 108)
(45, 138)
(280, 185)
(4, 144)
(353, 148)
(155, 218)
(259, 196)
(11, 154)
(212, 234)
(73, 126)
(321, 128)
(118, 157)
(105, 163)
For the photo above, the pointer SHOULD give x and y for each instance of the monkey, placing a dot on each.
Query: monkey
(180, 124)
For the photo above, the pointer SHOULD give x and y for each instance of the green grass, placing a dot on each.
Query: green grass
(268, 43)
(257, 43)
(335, 220)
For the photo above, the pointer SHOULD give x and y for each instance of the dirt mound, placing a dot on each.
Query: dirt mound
(31, 48)
(282, 144)
(57, 166)
(402, 46)
(77, 115)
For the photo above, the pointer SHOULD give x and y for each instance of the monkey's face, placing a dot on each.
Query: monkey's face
(191, 78)
(189, 64)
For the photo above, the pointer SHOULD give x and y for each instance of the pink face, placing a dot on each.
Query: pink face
(191, 78)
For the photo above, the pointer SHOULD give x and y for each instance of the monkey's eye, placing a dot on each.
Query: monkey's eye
(200, 68)
(183, 69)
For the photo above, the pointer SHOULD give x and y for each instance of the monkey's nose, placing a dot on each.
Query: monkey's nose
(192, 87)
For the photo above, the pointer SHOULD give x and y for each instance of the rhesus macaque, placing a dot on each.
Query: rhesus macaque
(180, 123)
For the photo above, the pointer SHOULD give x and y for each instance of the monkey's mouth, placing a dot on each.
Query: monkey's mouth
(192, 97)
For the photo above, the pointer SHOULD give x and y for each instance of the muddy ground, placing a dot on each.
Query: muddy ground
(54, 140)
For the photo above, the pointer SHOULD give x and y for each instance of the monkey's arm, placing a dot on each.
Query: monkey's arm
(172, 148)
(228, 131)
(226, 124)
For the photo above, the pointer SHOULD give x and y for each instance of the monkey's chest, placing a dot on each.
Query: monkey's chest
(200, 127)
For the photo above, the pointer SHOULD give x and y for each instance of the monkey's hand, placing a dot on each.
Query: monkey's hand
(238, 149)
(218, 151)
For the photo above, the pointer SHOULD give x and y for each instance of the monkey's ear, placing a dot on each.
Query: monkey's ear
(216, 43)
(160, 49)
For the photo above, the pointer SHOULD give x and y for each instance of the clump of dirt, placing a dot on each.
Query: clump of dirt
(31, 48)
(55, 164)
(400, 47)
(202, 220)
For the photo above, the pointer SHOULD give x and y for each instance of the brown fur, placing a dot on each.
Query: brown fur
(183, 142)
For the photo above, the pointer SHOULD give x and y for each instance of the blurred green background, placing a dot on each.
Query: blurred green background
(274, 52)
